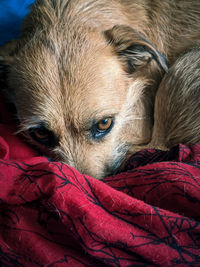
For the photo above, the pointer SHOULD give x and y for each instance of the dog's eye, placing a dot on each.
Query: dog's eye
(43, 136)
(104, 124)
(102, 128)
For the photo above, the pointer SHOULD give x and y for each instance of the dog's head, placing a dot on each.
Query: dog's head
(86, 98)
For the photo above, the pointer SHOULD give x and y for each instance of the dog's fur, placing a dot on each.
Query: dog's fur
(78, 62)
(177, 103)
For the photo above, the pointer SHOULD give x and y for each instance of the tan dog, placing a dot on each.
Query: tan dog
(84, 74)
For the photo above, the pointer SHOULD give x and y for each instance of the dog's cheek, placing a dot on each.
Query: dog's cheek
(88, 159)
(96, 160)
(99, 160)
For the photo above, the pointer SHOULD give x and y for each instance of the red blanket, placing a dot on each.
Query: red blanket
(51, 215)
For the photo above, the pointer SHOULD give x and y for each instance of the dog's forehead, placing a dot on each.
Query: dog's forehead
(88, 76)
(97, 90)
(73, 87)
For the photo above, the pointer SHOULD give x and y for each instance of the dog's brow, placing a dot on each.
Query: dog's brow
(100, 115)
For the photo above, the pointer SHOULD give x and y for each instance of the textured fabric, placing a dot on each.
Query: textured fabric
(51, 215)
(12, 13)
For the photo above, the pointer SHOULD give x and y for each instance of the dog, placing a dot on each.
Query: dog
(84, 74)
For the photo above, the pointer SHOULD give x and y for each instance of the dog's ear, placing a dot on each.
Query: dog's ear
(7, 52)
(10, 48)
(133, 48)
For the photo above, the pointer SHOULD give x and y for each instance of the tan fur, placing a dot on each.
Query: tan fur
(78, 62)
(177, 104)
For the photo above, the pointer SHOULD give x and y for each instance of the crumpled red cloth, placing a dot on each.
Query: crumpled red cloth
(51, 215)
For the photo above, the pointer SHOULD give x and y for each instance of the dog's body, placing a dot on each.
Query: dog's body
(177, 103)
(84, 74)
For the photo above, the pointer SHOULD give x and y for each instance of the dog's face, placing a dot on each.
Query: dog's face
(86, 100)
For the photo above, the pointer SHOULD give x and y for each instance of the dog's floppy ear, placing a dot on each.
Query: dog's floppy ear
(133, 48)
(9, 49)
(7, 52)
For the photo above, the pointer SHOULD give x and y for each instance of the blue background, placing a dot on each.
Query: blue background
(12, 13)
